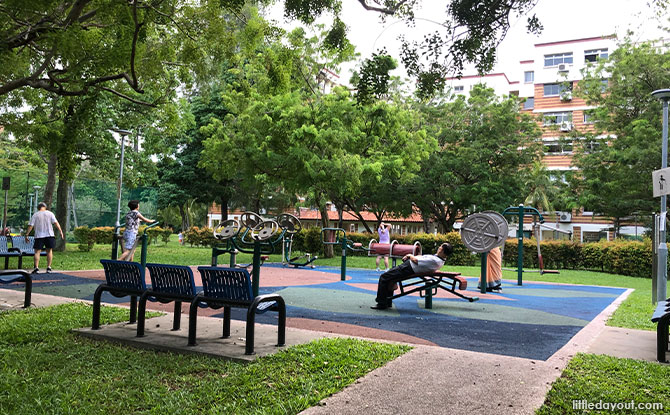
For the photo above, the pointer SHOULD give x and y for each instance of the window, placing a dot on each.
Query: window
(352, 228)
(557, 59)
(588, 117)
(458, 89)
(529, 104)
(528, 77)
(595, 54)
(556, 118)
(604, 83)
(555, 147)
(552, 90)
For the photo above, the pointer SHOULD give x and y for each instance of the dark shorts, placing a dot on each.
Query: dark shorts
(41, 243)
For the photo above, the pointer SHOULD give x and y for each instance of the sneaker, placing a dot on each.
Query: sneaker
(49, 270)
(386, 269)
(378, 270)
(35, 271)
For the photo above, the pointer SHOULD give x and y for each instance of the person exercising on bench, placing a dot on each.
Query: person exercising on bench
(412, 265)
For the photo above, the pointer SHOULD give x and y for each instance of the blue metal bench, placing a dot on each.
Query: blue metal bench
(7, 252)
(168, 283)
(122, 279)
(231, 287)
(26, 248)
(10, 276)
(661, 317)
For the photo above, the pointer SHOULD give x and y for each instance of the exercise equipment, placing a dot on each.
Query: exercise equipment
(251, 234)
(520, 212)
(394, 250)
(338, 236)
(143, 239)
(291, 226)
(480, 233)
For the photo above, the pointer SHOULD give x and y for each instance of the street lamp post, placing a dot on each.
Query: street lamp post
(117, 229)
(36, 188)
(662, 275)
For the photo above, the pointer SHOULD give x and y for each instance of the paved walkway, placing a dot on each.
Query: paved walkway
(428, 379)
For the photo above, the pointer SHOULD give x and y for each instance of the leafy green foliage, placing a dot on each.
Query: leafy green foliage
(372, 83)
(48, 368)
(611, 168)
(485, 148)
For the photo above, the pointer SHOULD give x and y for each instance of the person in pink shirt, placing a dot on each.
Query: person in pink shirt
(384, 232)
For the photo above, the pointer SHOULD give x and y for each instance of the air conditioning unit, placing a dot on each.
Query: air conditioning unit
(566, 126)
(562, 67)
(566, 96)
(564, 217)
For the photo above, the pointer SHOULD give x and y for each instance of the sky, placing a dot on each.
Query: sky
(562, 20)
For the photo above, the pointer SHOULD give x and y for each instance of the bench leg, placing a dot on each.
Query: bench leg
(133, 309)
(226, 322)
(192, 322)
(281, 325)
(96, 308)
(141, 315)
(662, 339)
(29, 290)
(20, 261)
(251, 323)
(177, 316)
(6, 262)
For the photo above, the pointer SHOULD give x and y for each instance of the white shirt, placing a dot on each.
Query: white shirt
(427, 263)
(42, 221)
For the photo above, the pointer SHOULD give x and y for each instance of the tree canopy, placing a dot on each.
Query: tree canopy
(617, 160)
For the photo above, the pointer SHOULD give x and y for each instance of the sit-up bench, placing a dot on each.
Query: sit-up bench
(661, 317)
(428, 284)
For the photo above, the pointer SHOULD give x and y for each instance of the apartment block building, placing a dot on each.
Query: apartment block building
(544, 82)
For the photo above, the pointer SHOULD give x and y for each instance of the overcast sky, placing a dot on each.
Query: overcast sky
(562, 20)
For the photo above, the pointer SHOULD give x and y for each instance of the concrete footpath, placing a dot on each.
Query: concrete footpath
(428, 379)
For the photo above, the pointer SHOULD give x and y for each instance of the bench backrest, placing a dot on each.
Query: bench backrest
(25, 247)
(123, 274)
(173, 279)
(228, 283)
(3, 245)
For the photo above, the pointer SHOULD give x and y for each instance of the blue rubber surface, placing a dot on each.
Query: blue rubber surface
(531, 321)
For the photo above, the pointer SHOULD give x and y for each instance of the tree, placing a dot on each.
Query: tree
(539, 188)
(485, 148)
(616, 162)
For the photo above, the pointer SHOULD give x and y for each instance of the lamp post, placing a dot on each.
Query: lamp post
(117, 229)
(36, 188)
(662, 275)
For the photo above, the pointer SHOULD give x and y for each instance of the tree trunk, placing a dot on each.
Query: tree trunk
(62, 203)
(325, 223)
(224, 209)
(184, 218)
(52, 169)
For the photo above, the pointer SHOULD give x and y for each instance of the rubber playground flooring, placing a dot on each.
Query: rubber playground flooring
(530, 321)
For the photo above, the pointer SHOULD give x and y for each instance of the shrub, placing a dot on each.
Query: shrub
(85, 238)
(200, 236)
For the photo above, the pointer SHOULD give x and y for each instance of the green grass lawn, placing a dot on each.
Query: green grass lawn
(596, 378)
(47, 369)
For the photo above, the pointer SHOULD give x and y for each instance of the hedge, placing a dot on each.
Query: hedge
(87, 237)
(622, 257)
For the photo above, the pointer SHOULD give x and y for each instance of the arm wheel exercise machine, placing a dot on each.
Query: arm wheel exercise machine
(291, 226)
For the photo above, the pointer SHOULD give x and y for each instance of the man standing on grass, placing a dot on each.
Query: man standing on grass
(42, 221)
